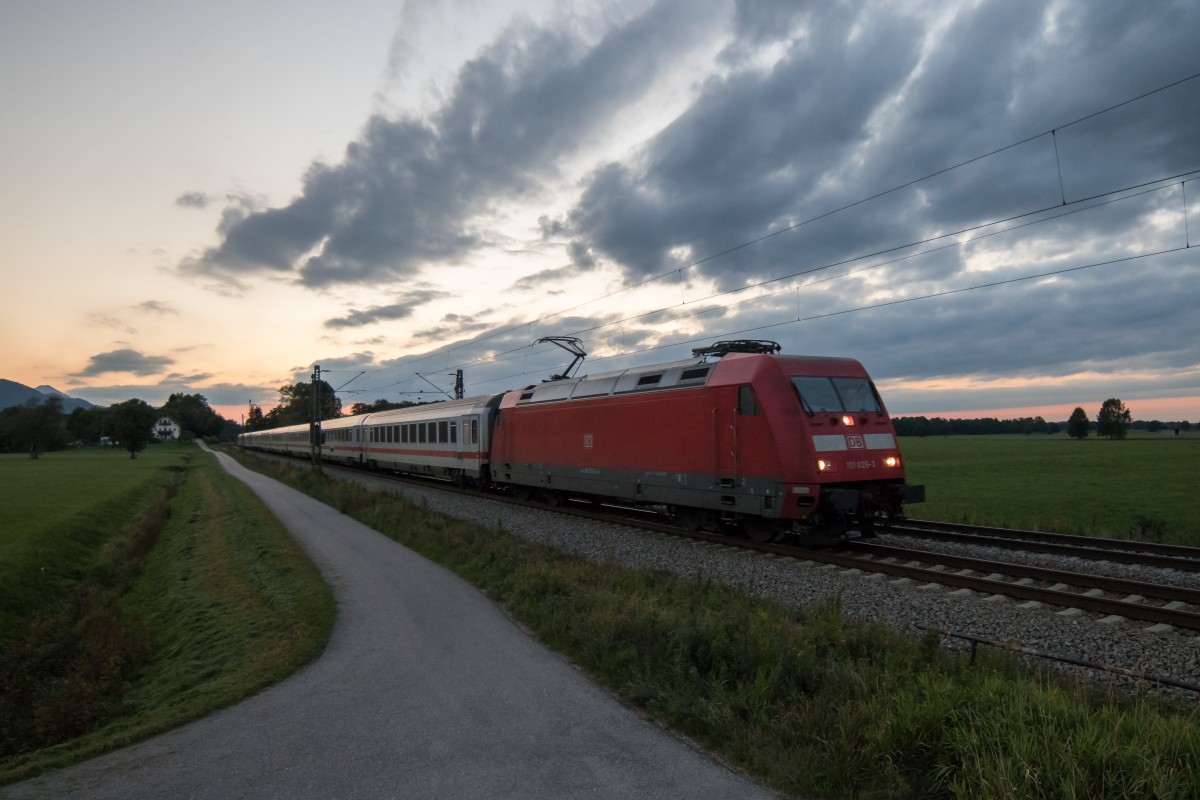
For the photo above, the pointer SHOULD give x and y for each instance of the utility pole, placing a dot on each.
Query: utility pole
(458, 384)
(315, 430)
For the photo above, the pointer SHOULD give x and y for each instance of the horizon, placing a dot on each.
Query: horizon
(1160, 410)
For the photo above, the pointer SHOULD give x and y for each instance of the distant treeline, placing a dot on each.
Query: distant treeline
(938, 426)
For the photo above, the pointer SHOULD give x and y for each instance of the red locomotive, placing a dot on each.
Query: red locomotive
(777, 444)
(736, 434)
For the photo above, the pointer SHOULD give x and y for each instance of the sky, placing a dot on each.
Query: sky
(989, 204)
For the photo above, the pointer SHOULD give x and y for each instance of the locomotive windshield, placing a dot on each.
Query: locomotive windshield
(836, 394)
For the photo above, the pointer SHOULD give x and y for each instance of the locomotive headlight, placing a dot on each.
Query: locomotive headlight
(891, 461)
(823, 465)
(848, 421)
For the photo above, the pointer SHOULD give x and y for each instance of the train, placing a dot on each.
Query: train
(737, 436)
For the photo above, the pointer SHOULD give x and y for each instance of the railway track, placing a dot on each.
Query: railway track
(1150, 554)
(1113, 598)
(1110, 599)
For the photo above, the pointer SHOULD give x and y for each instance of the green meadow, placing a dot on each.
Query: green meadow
(1143, 487)
(135, 595)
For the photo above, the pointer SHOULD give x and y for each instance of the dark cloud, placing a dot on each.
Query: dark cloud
(193, 200)
(862, 102)
(156, 307)
(452, 328)
(406, 192)
(543, 280)
(217, 394)
(182, 378)
(125, 360)
(403, 308)
(108, 321)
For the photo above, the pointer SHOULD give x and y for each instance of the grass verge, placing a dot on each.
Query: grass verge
(182, 594)
(802, 700)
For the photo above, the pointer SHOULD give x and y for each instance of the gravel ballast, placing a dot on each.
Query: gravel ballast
(900, 605)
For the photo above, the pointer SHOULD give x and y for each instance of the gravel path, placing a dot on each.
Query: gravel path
(425, 690)
(900, 605)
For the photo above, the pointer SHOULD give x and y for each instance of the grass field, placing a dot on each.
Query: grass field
(59, 510)
(137, 594)
(1145, 486)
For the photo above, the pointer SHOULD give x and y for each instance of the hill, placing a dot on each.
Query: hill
(15, 394)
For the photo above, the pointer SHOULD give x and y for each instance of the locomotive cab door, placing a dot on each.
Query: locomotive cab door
(725, 436)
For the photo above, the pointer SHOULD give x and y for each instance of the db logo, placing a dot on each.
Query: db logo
(587, 441)
(856, 443)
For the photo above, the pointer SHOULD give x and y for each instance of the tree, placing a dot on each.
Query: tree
(378, 405)
(194, 415)
(36, 426)
(86, 424)
(295, 404)
(1077, 425)
(255, 419)
(1113, 419)
(131, 423)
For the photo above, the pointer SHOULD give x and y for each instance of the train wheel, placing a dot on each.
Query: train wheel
(553, 497)
(521, 493)
(760, 530)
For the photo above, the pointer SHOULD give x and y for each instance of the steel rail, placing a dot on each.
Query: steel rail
(1000, 538)
(1097, 542)
(1084, 580)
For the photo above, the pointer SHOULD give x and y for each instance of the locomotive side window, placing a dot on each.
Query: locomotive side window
(453, 433)
(444, 432)
(747, 403)
(421, 435)
(474, 431)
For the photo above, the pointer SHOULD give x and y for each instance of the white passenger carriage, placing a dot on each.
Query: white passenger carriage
(343, 440)
(450, 439)
(290, 440)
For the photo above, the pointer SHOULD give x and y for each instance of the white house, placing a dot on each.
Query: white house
(166, 428)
